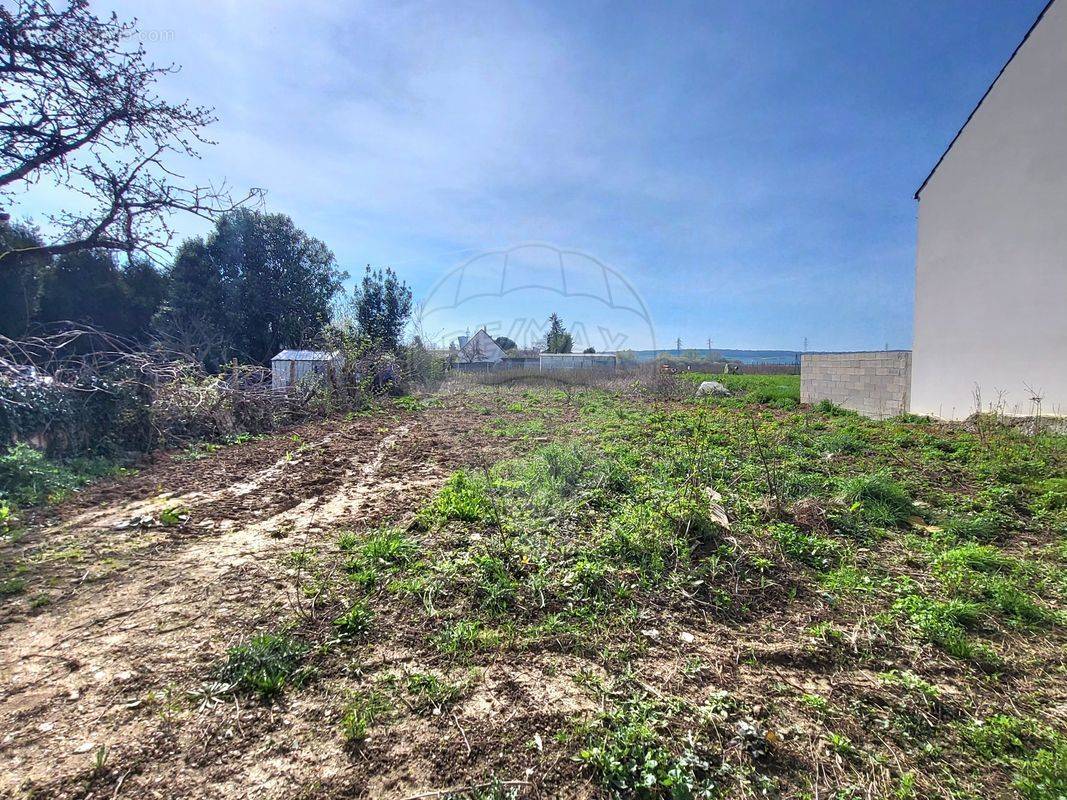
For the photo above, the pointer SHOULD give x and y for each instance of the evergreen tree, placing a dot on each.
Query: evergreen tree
(557, 340)
(85, 287)
(256, 285)
(20, 280)
(381, 306)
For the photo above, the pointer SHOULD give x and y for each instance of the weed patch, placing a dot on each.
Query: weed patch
(265, 665)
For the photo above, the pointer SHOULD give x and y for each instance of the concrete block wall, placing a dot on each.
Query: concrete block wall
(876, 384)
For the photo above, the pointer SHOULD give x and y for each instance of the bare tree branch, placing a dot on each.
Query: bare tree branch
(78, 109)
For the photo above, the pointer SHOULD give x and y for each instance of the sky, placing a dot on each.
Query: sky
(742, 172)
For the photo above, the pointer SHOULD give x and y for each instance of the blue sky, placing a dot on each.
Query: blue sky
(745, 169)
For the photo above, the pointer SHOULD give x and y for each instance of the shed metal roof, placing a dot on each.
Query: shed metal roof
(304, 355)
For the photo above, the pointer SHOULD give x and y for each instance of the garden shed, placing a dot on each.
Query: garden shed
(290, 367)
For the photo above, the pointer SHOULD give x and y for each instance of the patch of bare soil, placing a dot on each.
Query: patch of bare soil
(123, 615)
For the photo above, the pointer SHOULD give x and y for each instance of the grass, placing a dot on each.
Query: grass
(429, 693)
(355, 621)
(884, 600)
(878, 498)
(265, 665)
(464, 498)
(628, 752)
(755, 388)
(362, 711)
(29, 478)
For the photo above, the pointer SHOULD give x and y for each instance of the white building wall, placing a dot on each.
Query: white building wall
(991, 268)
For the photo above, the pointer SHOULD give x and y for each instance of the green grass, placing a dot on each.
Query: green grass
(464, 498)
(878, 498)
(874, 584)
(429, 693)
(355, 621)
(1043, 776)
(632, 753)
(361, 712)
(782, 391)
(379, 553)
(265, 665)
(29, 478)
(946, 624)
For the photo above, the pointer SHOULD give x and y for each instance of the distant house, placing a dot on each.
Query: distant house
(291, 367)
(479, 349)
(991, 264)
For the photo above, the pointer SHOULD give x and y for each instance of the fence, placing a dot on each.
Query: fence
(877, 384)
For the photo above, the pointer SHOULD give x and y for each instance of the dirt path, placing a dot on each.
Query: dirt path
(140, 613)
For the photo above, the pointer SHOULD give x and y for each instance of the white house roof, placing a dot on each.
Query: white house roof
(304, 355)
(970, 116)
(481, 345)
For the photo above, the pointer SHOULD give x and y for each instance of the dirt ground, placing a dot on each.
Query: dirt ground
(123, 615)
(136, 587)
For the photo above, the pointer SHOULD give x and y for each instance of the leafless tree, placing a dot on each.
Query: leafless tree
(78, 109)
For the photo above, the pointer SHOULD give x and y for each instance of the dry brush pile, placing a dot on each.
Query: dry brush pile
(81, 391)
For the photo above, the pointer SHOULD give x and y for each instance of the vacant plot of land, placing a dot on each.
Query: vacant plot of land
(508, 591)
